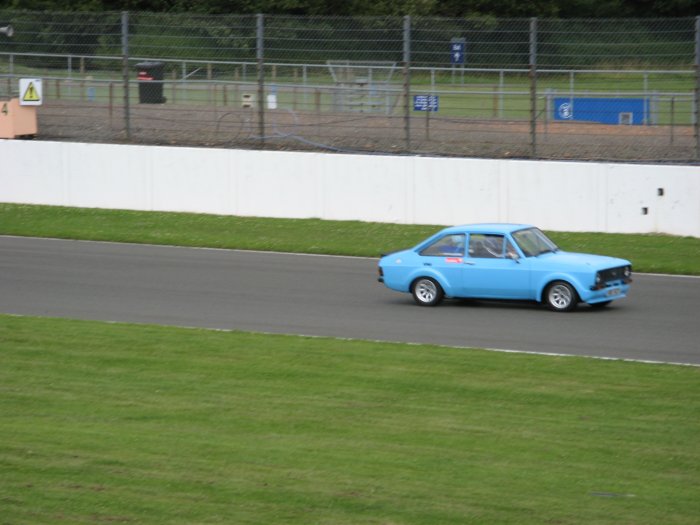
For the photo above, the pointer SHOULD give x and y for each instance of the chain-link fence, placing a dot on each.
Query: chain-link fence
(525, 88)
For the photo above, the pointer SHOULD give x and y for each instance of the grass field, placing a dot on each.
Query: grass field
(115, 423)
(648, 253)
(110, 423)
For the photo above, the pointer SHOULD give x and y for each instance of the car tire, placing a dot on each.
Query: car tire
(427, 291)
(560, 296)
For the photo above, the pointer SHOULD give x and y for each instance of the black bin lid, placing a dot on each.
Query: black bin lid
(150, 65)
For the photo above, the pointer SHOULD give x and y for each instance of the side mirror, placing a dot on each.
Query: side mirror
(513, 257)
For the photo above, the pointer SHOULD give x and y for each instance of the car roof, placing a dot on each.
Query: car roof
(487, 228)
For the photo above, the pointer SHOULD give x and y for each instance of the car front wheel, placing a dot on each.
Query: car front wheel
(561, 297)
(427, 292)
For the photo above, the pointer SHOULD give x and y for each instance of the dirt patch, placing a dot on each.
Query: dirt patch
(227, 127)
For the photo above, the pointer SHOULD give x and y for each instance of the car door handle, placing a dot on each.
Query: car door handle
(470, 263)
(427, 264)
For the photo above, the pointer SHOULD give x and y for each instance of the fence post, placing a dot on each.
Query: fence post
(407, 79)
(125, 72)
(501, 88)
(673, 119)
(111, 102)
(533, 87)
(697, 87)
(306, 91)
(261, 79)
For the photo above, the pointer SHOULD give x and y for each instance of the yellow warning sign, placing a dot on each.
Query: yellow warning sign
(30, 91)
(31, 94)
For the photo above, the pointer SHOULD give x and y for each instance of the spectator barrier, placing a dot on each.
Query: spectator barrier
(559, 196)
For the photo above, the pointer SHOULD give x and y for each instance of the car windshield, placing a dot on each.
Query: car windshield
(533, 242)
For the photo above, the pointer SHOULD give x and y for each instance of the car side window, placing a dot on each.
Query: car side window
(448, 245)
(511, 252)
(486, 246)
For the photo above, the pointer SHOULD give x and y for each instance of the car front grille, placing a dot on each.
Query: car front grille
(613, 274)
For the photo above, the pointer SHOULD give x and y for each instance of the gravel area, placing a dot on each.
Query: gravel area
(229, 127)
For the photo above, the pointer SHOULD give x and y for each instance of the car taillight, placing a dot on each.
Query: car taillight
(381, 274)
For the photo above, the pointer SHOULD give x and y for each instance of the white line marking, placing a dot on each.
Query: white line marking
(205, 248)
(255, 332)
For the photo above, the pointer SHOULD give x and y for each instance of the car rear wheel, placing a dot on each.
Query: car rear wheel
(561, 297)
(427, 292)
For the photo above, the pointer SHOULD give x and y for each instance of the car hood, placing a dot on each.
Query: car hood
(571, 259)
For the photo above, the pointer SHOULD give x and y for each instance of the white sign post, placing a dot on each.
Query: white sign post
(30, 92)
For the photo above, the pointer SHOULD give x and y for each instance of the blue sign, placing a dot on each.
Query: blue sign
(457, 52)
(634, 111)
(426, 103)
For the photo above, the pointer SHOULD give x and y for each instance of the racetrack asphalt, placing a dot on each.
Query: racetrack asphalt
(328, 296)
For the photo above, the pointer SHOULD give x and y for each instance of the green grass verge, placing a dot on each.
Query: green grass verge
(144, 424)
(648, 253)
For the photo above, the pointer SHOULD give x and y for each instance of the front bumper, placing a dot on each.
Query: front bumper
(610, 292)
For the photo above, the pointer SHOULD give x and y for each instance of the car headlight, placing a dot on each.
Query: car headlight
(627, 274)
(598, 282)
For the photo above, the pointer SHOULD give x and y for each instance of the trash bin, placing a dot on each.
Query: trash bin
(17, 121)
(150, 79)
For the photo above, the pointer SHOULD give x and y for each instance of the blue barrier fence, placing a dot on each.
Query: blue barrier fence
(625, 111)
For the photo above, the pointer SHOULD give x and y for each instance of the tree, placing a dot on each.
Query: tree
(439, 8)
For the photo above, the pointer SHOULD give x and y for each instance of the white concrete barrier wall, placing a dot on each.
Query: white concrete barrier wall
(560, 196)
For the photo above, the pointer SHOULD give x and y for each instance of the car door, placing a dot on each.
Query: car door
(494, 268)
(445, 257)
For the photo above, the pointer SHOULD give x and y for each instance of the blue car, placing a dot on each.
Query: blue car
(504, 261)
